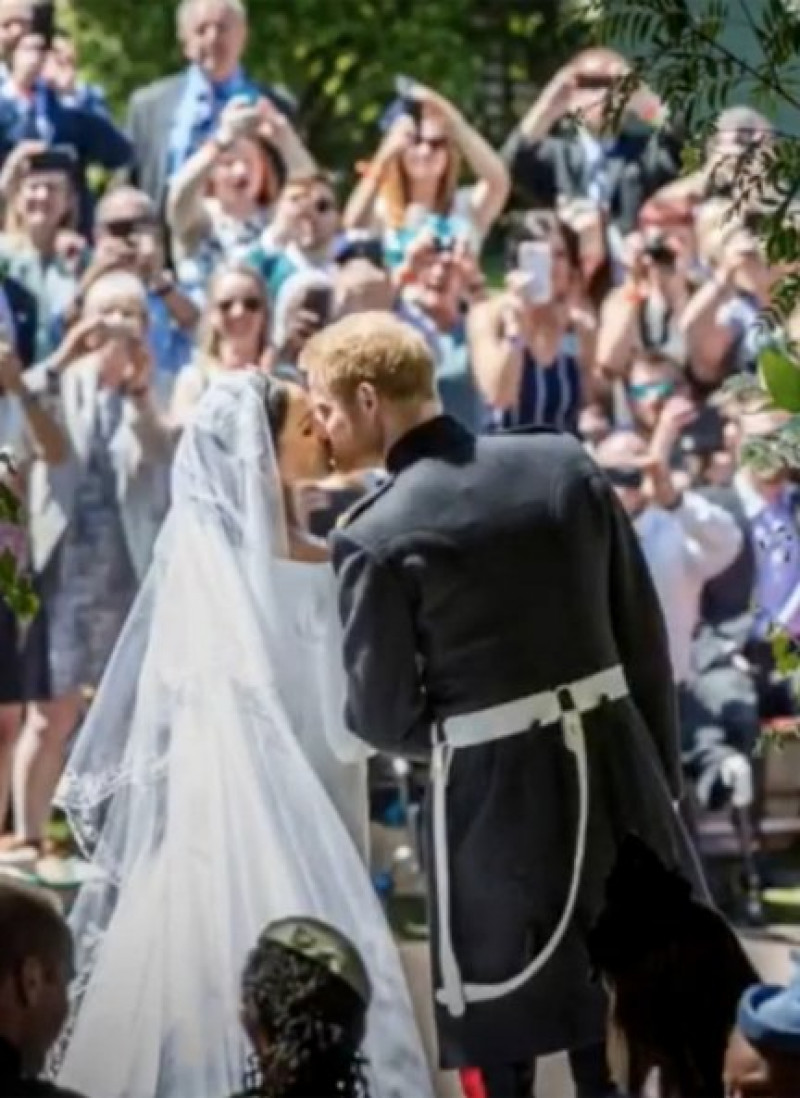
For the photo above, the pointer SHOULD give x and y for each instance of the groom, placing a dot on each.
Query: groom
(499, 621)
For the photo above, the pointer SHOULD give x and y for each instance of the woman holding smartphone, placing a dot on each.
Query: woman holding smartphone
(94, 518)
(412, 181)
(533, 346)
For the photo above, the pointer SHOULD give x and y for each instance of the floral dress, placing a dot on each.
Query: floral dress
(91, 582)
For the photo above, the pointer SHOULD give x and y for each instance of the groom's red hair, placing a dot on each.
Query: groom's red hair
(373, 348)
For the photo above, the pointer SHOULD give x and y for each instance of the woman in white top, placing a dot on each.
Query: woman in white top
(234, 334)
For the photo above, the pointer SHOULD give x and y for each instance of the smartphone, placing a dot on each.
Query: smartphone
(319, 301)
(405, 89)
(535, 260)
(705, 435)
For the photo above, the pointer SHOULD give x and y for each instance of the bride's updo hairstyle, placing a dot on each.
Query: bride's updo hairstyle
(276, 405)
(305, 996)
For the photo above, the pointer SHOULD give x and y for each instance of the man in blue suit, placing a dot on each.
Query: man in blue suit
(31, 111)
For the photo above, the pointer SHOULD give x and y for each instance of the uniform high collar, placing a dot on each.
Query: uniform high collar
(441, 436)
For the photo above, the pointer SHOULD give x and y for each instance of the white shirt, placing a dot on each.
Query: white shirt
(684, 549)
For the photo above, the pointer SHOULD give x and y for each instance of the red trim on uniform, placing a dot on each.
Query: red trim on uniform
(472, 1083)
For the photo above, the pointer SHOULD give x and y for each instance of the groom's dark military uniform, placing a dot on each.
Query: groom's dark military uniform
(500, 620)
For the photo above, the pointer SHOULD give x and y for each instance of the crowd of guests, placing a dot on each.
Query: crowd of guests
(627, 296)
(216, 242)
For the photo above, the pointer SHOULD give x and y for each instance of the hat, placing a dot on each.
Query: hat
(769, 1016)
(325, 946)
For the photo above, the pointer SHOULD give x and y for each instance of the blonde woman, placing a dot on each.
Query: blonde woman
(93, 521)
(413, 179)
(234, 334)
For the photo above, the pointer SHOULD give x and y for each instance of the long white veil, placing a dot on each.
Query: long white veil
(188, 789)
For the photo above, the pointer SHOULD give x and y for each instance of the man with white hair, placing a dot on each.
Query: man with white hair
(170, 119)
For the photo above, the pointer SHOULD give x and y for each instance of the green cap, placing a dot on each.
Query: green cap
(325, 945)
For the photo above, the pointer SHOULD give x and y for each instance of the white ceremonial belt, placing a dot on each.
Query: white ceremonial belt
(566, 705)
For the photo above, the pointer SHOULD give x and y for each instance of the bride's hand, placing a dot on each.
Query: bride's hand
(306, 548)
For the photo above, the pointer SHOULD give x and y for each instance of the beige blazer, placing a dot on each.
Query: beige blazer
(141, 450)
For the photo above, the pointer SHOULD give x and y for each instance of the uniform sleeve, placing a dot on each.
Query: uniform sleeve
(641, 635)
(385, 698)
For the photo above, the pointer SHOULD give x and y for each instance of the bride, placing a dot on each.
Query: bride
(213, 783)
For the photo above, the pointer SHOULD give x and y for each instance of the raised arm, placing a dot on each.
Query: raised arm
(493, 183)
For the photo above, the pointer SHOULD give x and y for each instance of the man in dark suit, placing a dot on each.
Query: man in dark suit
(499, 621)
(170, 119)
(551, 159)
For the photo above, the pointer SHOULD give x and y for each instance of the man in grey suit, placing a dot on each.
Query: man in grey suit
(170, 119)
(500, 621)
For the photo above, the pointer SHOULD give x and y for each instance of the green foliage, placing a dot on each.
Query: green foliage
(15, 588)
(338, 59)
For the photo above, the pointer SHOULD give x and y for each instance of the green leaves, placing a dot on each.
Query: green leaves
(780, 374)
(10, 506)
(15, 589)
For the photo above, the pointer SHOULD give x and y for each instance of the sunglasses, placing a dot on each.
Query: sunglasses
(433, 143)
(649, 390)
(249, 304)
(127, 227)
(625, 477)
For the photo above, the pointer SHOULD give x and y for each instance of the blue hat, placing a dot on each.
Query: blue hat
(769, 1016)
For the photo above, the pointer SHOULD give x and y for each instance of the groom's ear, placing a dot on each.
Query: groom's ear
(366, 396)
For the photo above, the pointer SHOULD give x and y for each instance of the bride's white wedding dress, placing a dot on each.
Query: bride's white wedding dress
(198, 785)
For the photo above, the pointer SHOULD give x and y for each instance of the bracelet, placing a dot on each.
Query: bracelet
(137, 394)
(163, 288)
(28, 399)
(633, 295)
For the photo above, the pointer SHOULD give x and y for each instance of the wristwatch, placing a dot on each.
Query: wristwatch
(162, 284)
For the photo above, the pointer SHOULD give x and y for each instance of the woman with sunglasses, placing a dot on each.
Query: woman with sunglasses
(413, 178)
(224, 197)
(234, 334)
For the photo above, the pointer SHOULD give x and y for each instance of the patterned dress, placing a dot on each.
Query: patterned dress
(91, 580)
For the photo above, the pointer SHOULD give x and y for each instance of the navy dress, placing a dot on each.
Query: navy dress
(549, 396)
